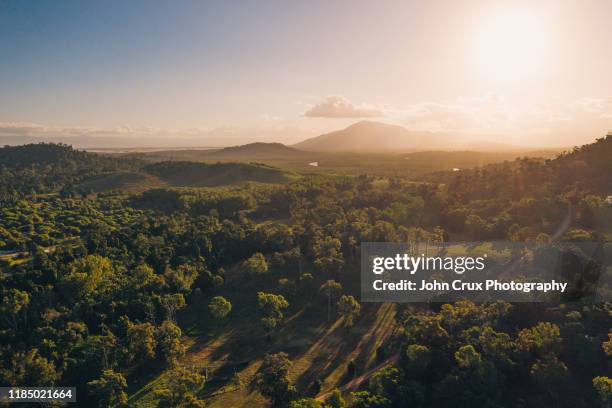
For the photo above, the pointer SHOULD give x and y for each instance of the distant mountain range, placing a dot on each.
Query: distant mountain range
(376, 136)
(363, 136)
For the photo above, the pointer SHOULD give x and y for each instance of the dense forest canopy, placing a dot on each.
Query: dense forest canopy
(99, 289)
(46, 167)
(585, 169)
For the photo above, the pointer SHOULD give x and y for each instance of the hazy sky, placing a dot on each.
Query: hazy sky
(538, 71)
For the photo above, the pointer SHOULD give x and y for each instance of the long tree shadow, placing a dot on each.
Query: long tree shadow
(338, 346)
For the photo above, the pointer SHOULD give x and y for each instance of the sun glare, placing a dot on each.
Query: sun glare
(510, 46)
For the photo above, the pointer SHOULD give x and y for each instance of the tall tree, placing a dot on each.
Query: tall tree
(331, 290)
(349, 309)
(255, 265)
(181, 389)
(109, 389)
(271, 306)
(169, 342)
(272, 379)
(219, 307)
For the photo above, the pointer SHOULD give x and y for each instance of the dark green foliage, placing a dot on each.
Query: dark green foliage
(95, 287)
(109, 389)
(219, 307)
(47, 167)
(586, 169)
(181, 389)
(271, 307)
(272, 380)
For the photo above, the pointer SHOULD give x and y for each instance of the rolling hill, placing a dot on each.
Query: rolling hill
(196, 174)
(587, 169)
(256, 150)
(33, 155)
(49, 167)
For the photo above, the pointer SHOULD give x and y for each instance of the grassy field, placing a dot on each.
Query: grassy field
(233, 351)
(125, 181)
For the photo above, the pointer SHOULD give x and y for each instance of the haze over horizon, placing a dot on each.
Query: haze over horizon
(217, 74)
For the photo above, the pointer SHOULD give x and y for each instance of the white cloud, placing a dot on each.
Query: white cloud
(590, 104)
(493, 114)
(599, 107)
(340, 107)
(471, 114)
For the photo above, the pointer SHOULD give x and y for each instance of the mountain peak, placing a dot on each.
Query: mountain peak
(371, 124)
(368, 135)
(257, 148)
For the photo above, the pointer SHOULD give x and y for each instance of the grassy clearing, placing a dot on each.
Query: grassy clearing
(125, 181)
(231, 352)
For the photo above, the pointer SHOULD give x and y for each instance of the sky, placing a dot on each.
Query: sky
(227, 72)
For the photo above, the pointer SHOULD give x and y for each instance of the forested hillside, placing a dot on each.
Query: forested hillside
(47, 167)
(256, 150)
(248, 294)
(183, 173)
(586, 169)
(51, 168)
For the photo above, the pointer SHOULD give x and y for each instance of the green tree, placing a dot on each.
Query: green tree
(271, 306)
(89, 275)
(306, 285)
(497, 346)
(181, 389)
(306, 403)
(331, 290)
(390, 384)
(219, 307)
(183, 278)
(30, 368)
(467, 357)
(13, 306)
(477, 227)
(172, 303)
(328, 254)
(109, 389)
(141, 343)
(549, 372)
(272, 379)
(418, 359)
(603, 387)
(143, 276)
(256, 264)
(335, 399)
(169, 342)
(544, 338)
(365, 399)
(349, 309)
(101, 349)
(607, 345)
(425, 329)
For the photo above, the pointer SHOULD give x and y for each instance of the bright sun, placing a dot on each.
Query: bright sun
(510, 46)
